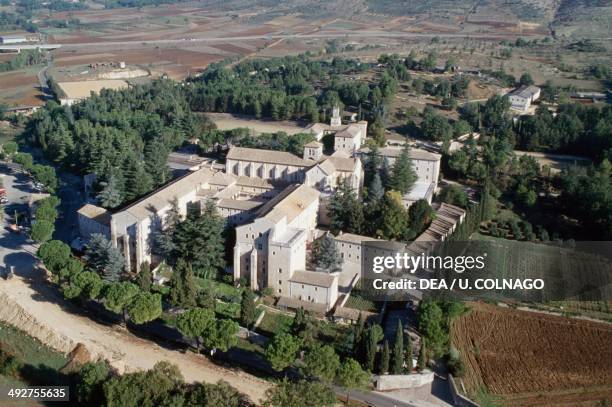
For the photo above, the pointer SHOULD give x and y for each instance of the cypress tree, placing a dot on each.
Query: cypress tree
(370, 349)
(358, 336)
(408, 353)
(384, 359)
(182, 285)
(375, 190)
(398, 349)
(145, 277)
(248, 312)
(422, 361)
(298, 321)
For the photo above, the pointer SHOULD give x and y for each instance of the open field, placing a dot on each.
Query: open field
(550, 360)
(226, 121)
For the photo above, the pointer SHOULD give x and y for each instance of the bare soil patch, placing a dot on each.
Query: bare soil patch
(532, 358)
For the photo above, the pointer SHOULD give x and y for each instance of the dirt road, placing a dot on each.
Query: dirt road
(36, 308)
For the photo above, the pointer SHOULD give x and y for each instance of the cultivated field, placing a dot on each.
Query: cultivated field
(530, 359)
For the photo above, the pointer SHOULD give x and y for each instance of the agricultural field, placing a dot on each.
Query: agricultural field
(550, 360)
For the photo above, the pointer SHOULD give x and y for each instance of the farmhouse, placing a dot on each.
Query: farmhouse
(79, 90)
(522, 98)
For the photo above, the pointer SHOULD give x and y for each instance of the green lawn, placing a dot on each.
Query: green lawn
(29, 350)
(274, 322)
(360, 303)
(223, 290)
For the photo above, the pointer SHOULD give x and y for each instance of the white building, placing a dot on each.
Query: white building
(132, 229)
(522, 98)
(266, 164)
(347, 137)
(272, 247)
(13, 39)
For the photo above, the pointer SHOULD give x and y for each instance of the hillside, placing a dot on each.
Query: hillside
(578, 18)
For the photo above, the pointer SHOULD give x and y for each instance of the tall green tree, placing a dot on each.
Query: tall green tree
(200, 238)
(321, 362)
(326, 256)
(393, 220)
(248, 310)
(431, 325)
(145, 307)
(110, 194)
(408, 353)
(145, 277)
(384, 359)
(182, 285)
(398, 350)
(345, 210)
(118, 296)
(282, 350)
(42, 231)
(103, 257)
(422, 360)
(196, 323)
(300, 393)
(402, 176)
(351, 376)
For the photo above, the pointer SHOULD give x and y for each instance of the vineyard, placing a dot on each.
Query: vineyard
(570, 273)
(530, 358)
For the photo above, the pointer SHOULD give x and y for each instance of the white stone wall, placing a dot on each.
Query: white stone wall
(88, 226)
(519, 103)
(349, 252)
(408, 381)
(315, 294)
(266, 171)
(283, 261)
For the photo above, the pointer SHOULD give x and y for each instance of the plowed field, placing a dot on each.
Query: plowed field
(532, 359)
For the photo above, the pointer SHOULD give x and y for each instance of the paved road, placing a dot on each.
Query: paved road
(340, 34)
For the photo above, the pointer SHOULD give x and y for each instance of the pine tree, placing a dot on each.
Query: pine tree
(398, 350)
(104, 258)
(402, 176)
(201, 239)
(110, 195)
(408, 353)
(326, 256)
(137, 181)
(384, 359)
(345, 210)
(422, 361)
(155, 158)
(163, 239)
(393, 220)
(145, 277)
(373, 162)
